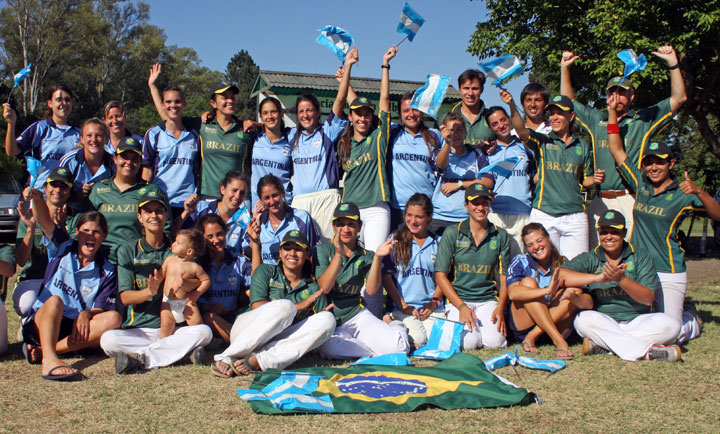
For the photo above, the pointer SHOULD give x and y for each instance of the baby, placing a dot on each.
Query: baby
(185, 281)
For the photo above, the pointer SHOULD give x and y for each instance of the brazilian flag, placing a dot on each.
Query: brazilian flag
(462, 381)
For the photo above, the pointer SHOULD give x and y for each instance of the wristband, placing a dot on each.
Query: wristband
(675, 66)
(613, 129)
(385, 66)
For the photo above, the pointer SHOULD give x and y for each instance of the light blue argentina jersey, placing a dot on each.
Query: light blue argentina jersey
(48, 143)
(512, 192)
(295, 219)
(315, 165)
(173, 162)
(228, 282)
(464, 167)
(75, 163)
(271, 159)
(416, 282)
(412, 165)
(237, 224)
(523, 266)
(110, 149)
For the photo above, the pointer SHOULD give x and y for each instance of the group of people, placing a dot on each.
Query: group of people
(217, 229)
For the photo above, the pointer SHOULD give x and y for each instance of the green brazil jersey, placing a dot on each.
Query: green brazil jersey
(657, 219)
(366, 180)
(478, 131)
(269, 283)
(347, 292)
(561, 170)
(637, 128)
(609, 298)
(473, 265)
(136, 262)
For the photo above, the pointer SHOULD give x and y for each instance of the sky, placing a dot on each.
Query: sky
(280, 35)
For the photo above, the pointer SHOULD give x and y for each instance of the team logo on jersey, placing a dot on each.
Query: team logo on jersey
(358, 264)
(86, 290)
(101, 190)
(129, 141)
(286, 151)
(630, 266)
(462, 244)
(368, 140)
(142, 190)
(234, 237)
(192, 147)
(241, 134)
(669, 197)
(232, 279)
(433, 257)
(493, 245)
(317, 142)
(578, 150)
(211, 130)
(305, 293)
(609, 215)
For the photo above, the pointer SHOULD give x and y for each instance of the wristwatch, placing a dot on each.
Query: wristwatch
(460, 185)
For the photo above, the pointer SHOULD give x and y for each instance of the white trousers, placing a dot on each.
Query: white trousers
(147, 343)
(629, 340)
(599, 206)
(418, 331)
(569, 233)
(484, 332)
(375, 231)
(513, 224)
(320, 205)
(670, 297)
(25, 294)
(366, 336)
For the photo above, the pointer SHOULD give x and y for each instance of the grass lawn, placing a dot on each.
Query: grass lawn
(593, 394)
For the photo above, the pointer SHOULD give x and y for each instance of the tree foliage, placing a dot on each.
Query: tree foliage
(241, 71)
(596, 30)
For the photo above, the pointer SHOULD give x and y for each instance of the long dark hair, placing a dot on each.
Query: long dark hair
(278, 105)
(312, 99)
(556, 259)
(427, 136)
(49, 97)
(235, 175)
(344, 143)
(403, 248)
(93, 216)
(273, 180)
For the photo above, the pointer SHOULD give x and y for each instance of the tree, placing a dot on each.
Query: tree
(597, 30)
(241, 70)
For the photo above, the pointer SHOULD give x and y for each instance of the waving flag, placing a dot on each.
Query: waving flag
(444, 340)
(428, 98)
(22, 75)
(33, 168)
(633, 62)
(501, 68)
(502, 168)
(336, 40)
(410, 22)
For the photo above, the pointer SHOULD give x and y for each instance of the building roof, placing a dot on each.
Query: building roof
(319, 83)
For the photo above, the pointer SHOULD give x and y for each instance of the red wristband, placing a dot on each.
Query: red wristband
(613, 129)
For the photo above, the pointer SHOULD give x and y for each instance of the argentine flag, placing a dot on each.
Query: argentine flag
(34, 167)
(292, 390)
(336, 40)
(410, 22)
(428, 98)
(22, 75)
(633, 62)
(444, 340)
(501, 68)
(502, 168)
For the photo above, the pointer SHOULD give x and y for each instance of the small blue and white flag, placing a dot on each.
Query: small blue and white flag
(291, 390)
(336, 40)
(392, 359)
(22, 75)
(33, 168)
(501, 68)
(509, 359)
(444, 340)
(502, 168)
(633, 62)
(410, 22)
(430, 96)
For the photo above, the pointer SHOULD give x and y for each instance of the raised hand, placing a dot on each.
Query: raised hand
(506, 97)
(154, 280)
(351, 58)
(385, 248)
(190, 203)
(689, 187)
(9, 114)
(155, 71)
(26, 215)
(389, 54)
(612, 101)
(568, 58)
(667, 53)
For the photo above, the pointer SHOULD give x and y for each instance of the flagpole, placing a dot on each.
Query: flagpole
(403, 40)
(10, 94)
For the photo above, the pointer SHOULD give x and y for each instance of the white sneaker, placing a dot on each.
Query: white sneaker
(665, 353)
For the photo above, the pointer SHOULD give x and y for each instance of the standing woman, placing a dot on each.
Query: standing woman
(116, 121)
(409, 272)
(564, 168)
(315, 170)
(412, 163)
(474, 248)
(662, 202)
(46, 140)
(344, 267)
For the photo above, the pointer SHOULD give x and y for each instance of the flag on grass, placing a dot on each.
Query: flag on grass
(336, 40)
(507, 359)
(462, 381)
(430, 96)
(410, 22)
(291, 391)
(443, 342)
(392, 359)
(501, 68)
(633, 62)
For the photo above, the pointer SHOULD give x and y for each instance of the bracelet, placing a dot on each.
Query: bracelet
(385, 66)
(675, 66)
(613, 129)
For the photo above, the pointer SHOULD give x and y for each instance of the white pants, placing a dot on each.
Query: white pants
(375, 230)
(600, 206)
(147, 343)
(629, 340)
(366, 336)
(320, 205)
(513, 224)
(3, 330)
(669, 298)
(25, 294)
(484, 332)
(418, 331)
(569, 233)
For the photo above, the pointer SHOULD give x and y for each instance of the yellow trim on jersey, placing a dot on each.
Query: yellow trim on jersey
(634, 179)
(592, 141)
(670, 231)
(542, 175)
(379, 163)
(648, 136)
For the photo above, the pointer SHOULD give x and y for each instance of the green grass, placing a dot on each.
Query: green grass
(593, 394)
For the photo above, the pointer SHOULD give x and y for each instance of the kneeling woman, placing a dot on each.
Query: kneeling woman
(534, 290)
(344, 267)
(475, 247)
(289, 315)
(77, 302)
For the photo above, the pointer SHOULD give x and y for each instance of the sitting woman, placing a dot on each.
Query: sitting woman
(409, 272)
(289, 318)
(77, 302)
(535, 295)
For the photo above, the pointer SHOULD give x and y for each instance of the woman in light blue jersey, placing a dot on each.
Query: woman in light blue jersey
(116, 121)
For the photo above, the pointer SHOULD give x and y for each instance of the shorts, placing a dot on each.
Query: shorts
(177, 307)
(31, 334)
(517, 335)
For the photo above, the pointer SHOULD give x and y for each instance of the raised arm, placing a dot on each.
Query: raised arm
(712, 207)
(11, 147)
(385, 79)
(568, 58)
(515, 118)
(23, 247)
(677, 85)
(155, 71)
(614, 140)
(374, 277)
(42, 213)
(344, 86)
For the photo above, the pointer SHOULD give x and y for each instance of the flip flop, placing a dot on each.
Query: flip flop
(244, 363)
(27, 350)
(76, 376)
(529, 349)
(564, 354)
(218, 373)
